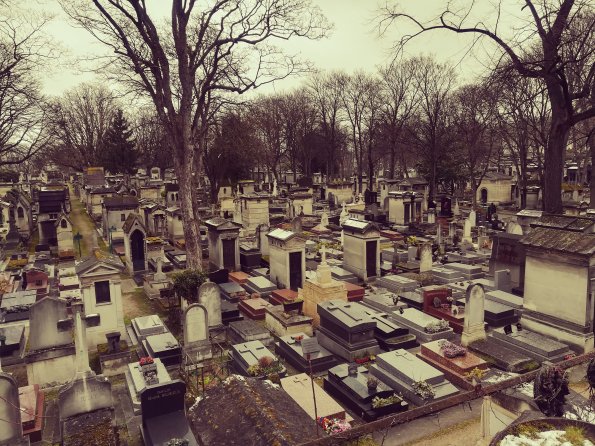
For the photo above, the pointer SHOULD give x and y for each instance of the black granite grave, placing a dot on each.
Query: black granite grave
(220, 276)
(391, 336)
(249, 257)
(230, 312)
(165, 347)
(352, 390)
(290, 349)
(164, 414)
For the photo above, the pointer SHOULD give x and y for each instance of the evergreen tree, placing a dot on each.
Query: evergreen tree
(119, 148)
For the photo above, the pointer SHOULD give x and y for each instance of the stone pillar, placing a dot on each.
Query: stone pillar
(467, 231)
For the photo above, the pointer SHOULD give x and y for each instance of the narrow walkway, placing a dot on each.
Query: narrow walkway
(82, 223)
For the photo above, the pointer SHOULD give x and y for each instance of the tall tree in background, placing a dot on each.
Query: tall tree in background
(430, 134)
(78, 122)
(221, 45)
(564, 61)
(151, 141)
(119, 153)
(23, 49)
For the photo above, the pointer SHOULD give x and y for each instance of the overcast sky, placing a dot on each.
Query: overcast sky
(353, 44)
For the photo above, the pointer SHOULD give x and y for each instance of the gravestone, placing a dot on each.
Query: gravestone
(502, 280)
(296, 225)
(514, 228)
(324, 220)
(196, 333)
(467, 231)
(425, 258)
(472, 218)
(411, 253)
(113, 341)
(457, 209)
(208, 295)
(474, 327)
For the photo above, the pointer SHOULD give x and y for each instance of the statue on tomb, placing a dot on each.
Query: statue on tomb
(550, 390)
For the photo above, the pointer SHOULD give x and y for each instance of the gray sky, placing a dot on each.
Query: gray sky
(354, 43)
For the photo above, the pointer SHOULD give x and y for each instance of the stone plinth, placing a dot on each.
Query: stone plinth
(282, 323)
(254, 308)
(289, 348)
(321, 289)
(248, 330)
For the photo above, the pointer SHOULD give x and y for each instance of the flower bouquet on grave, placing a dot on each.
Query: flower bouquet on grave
(451, 350)
(378, 402)
(476, 374)
(436, 327)
(423, 389)
(266, 366)
(298, 339)
(372, 383)
(333, 425)
(145, 360)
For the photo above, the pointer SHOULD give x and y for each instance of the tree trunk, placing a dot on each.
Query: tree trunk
(184, 170)
(554, 165)
(591, 144)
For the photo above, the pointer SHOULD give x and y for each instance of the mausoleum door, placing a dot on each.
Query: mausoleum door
(137, 250)
(295, 270)
(229, 254)
(371, 258)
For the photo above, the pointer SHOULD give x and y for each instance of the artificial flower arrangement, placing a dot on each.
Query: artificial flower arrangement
(436, 327)
(266, 366)
(378, 402)
(146, 360)
(423, 389)
(451, 350)
(333, 425)
(476, 374)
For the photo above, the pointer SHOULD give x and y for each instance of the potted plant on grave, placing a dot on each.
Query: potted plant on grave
(265, 367)
(362, 359)
(378, 402)
(372, 383)
(476, 374)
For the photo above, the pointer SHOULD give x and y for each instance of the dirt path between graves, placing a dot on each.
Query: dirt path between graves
(82, 223)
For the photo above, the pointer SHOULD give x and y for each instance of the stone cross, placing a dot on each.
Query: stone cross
(80, 322)
(323, 254)
(159, 275)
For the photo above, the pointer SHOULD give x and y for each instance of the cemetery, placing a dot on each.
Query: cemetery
(290, 304)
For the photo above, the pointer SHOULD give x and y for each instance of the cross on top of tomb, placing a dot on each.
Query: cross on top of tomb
(80, 322)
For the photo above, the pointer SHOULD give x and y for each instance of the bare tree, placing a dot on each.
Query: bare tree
(361, 102)
(565, 62)
(210, 47)
(151, 140)
(430, 135)
(267, 118)
(23, 48)
(400, 100)
(474, 107)
(325, 89)
(78, 122)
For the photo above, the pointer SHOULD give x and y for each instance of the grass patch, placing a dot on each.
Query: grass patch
(366, 440)
(575, 435)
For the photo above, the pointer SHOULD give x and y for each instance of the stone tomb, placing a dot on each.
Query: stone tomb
(383, 300)
(224, 249)
(287, 298)
(402, 371)
(11, 433)
(249, 330)
(469, 272)
(504, 298)
(497, 314)
(31, 401)
(260, 285)
(197, 344)
(144, 326)
(282, 322)
(355, 293)
(287, 258)
(239, 277)
(343, 275)
(178, 258)
(290, 349)
(347, 330)
(50, 353)
(137, 379)
(135, 244)
(348, 384)
(389, 335)
(444, 275)
(299, 387)
(12, 342)
(422, 325)
(534, 345)
(254, 308)
(16, 306)
(249, 354)
(361, 248)
(233, 292)
(163, 346)
(397, 284)
(454, 368)
(436, 303)
(164, 414)
(250, 257)
(230, 312)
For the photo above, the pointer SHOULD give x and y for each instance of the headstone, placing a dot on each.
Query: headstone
(344, 215)
(514, 228)
(457, 209)
(296, 225)
(472, 218)
(324, 220)
(411, 253)
(425, 257)
(502, 280)
(11, 429)
(208, 295)
(467, 230)
(113, 341)
(474, 327)
(431, 216)
(196, 328)
(159, 275)
(452, 229)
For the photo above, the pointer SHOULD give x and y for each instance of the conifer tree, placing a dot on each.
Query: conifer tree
(119, 148)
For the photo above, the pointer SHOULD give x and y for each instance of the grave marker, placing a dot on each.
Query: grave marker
(474, 327)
